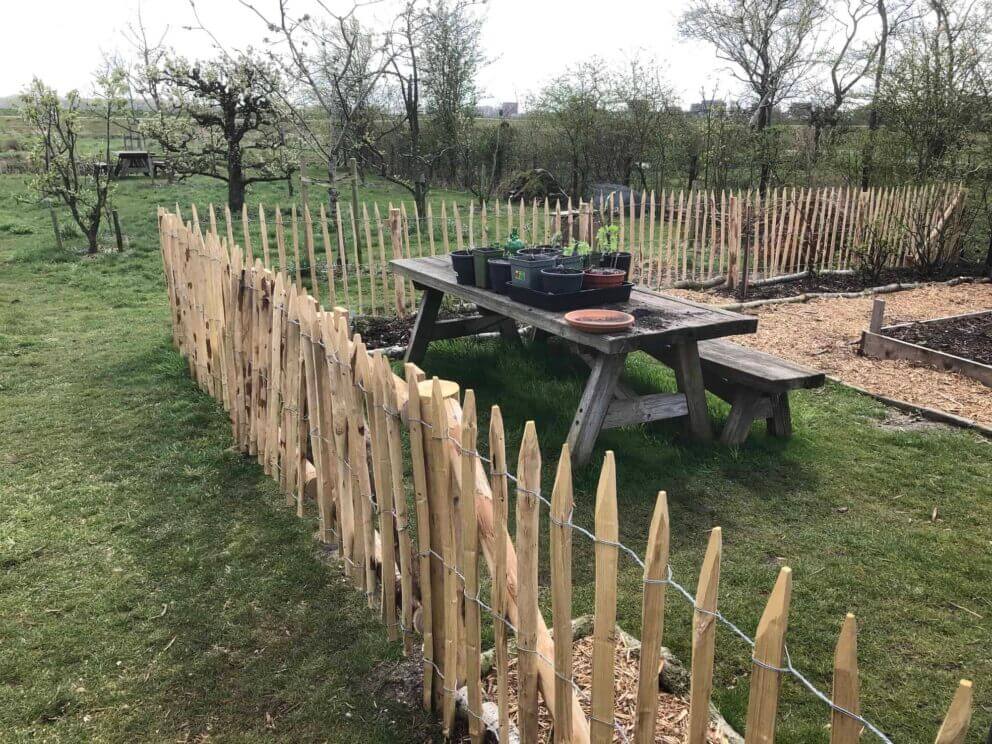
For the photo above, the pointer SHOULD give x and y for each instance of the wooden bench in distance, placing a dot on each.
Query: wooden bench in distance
(756, 385)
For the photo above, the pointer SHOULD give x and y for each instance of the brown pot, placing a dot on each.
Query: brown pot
(601, 278)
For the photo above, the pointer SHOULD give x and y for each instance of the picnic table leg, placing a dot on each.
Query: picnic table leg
(689, 377)
(738, 424)
(421, 335)
(780, 422)
(596, 399)
(539, 335)
(509, 333)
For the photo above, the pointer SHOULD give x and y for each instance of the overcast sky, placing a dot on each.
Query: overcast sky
(62, 41)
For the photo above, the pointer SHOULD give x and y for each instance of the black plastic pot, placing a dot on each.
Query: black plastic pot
(541, 250)
(481, 256)
(464, 265)
(526, 268)
(499, 274)
(617, 260)
(559, 280)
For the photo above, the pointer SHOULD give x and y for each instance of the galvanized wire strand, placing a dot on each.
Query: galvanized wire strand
(788, 669)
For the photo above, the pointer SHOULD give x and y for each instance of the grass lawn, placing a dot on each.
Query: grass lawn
(154, 587)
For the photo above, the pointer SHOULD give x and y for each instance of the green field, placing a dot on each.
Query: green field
(154, 587)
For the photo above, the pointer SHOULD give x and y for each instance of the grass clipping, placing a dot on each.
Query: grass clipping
(671, 723)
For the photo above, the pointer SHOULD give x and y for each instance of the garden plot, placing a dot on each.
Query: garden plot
(825, 333)
(947, 342)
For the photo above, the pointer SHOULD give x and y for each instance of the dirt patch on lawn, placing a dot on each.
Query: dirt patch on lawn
(824, 333)
(969, 337)
(671, 724)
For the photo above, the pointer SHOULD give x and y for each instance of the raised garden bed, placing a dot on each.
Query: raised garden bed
(968, 336)
(958, 343)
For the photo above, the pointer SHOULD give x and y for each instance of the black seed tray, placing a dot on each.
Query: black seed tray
(574, 301)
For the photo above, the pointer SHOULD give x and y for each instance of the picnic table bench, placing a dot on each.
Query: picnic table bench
(682, 334)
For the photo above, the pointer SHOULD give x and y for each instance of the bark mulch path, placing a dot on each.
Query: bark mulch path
(671, 724)
(969, 337)
(824, 333)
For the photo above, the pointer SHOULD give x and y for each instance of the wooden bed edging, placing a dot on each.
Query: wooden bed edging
(877, 345)
(884, 289)
(931, 414)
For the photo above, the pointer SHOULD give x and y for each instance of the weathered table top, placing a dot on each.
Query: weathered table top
(661, 319)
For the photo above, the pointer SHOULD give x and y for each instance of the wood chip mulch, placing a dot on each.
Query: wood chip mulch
(824, 334)
(672, 721)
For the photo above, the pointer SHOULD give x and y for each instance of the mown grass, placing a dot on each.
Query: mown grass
(154, 588)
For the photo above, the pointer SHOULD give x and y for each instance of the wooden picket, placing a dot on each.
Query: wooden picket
(326, 419)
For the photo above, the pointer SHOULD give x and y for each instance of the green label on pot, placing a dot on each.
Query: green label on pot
(519, 275)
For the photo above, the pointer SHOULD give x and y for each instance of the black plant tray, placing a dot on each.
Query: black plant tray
(574, 301)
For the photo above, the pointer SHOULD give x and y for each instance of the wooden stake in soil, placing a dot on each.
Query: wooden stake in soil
(55, 229)
(604, 634)
(117, 231)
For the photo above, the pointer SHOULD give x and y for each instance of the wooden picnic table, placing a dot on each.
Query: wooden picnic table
(134, 160)
(668, 328)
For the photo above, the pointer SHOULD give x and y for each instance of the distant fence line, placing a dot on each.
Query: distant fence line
(676, 238)
(327, 420)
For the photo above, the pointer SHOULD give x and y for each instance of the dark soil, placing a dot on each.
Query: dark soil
(379, 332)
(843, 282)
(652, 319)
(970, 337)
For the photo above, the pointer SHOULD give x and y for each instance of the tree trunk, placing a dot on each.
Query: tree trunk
(91, 240)
(874, 117)
(235, 180)
(332, 188)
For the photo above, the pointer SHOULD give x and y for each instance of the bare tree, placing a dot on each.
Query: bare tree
(891, 14)
(334, 65)
(768, 42)
(848, 63)
(451, 59)
(409, 55)
(933, 90)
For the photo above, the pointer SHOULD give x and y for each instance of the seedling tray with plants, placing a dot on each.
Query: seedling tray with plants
(572, 301)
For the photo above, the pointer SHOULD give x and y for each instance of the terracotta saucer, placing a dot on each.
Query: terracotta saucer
(599, 321)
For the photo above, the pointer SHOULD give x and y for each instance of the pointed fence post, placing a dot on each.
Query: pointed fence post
(604, 631)
(470, 567)
(652, 620)
(497, 452)
(847, 686)
(528, 485)
(954, 729)
(704, 640)
(769, 653)
(561, 594)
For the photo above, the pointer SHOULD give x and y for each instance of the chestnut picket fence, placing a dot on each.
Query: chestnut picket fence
(393, 467)
(695, 238)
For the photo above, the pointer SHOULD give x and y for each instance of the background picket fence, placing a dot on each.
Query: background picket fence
(400, 487)
(683, 238)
